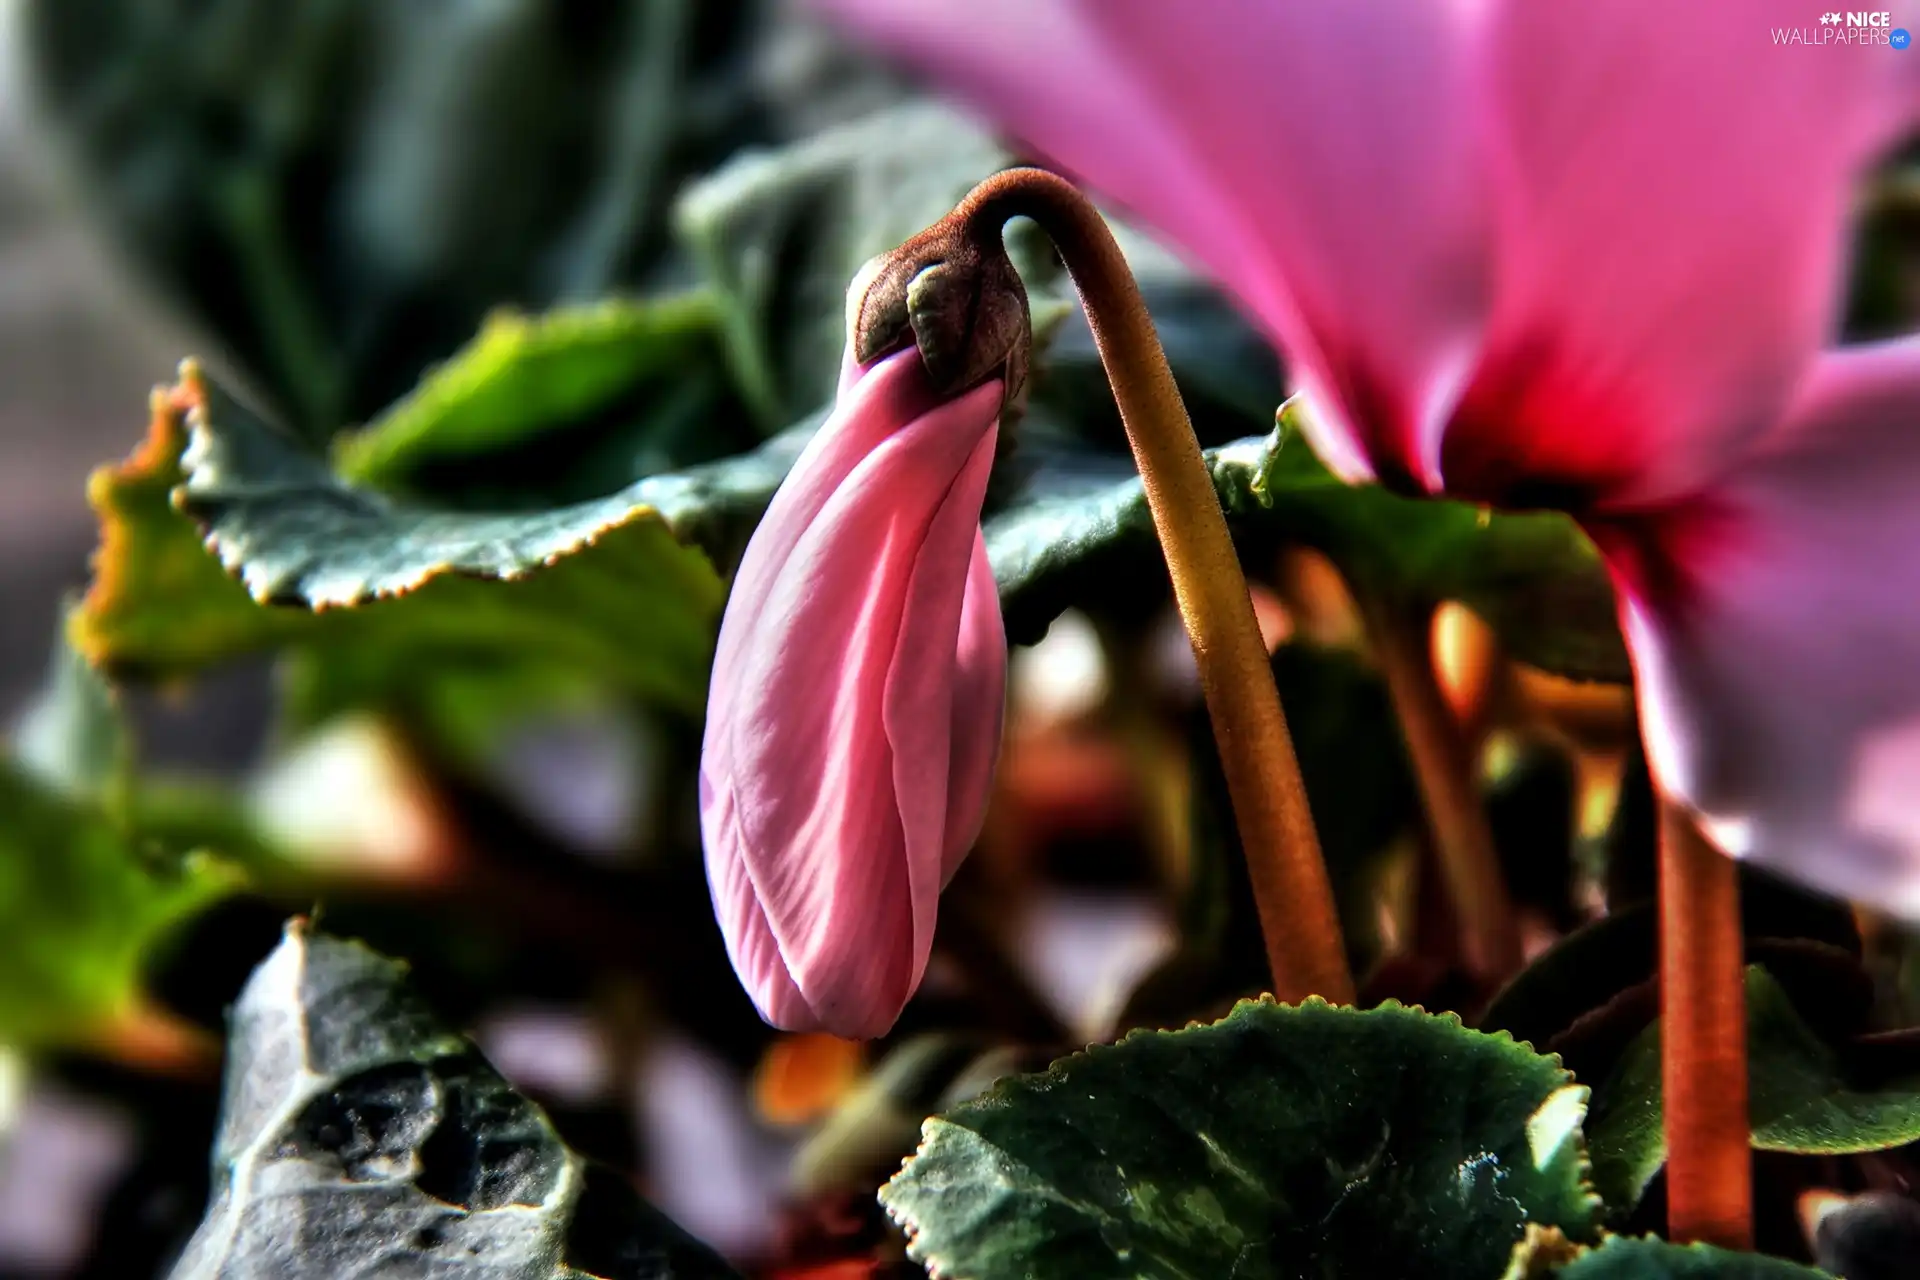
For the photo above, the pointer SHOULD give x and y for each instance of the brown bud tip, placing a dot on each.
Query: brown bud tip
(955, 295)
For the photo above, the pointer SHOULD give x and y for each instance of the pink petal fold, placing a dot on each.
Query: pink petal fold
(855, 707)
(1775, 628)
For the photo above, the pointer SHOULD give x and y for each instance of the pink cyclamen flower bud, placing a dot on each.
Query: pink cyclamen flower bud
(856, 703)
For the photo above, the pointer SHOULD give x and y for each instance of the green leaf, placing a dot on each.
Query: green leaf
(189, 814)
(360, 1135)
(84, 900)
(1535, 578)
(71, 737)
(160, 605)
(1080, 523)
(338, 192)
(1624, 1258)
(1594, 964)
(603, 587)
(782, 233)
(75, 743)
(1803, 1097)
(531, 394)
(462, 702)
(464, 706)
(1280, 1141)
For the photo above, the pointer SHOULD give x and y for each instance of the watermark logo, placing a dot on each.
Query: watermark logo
(1854, 29)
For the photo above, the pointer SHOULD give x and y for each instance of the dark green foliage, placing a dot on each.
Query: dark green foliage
(1279, 1142)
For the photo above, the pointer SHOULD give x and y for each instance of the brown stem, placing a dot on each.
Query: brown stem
(1703, 1040)
(1290, 885)
(1443, 765)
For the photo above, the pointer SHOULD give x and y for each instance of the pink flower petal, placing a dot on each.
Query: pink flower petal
(839, 752)
(1312, 156)
(743, 921)
(1673, 194)
(1775, 628)
(980, 680)
(1524, 252)
(965, 694)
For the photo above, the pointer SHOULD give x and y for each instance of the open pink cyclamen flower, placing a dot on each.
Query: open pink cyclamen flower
(1582, 256)
(855, 709)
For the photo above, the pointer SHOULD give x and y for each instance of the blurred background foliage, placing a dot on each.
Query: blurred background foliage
(509, 318)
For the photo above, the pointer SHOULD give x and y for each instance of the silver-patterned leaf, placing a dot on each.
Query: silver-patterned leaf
(360, 1138)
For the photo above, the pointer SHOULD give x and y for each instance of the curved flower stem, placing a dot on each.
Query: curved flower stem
(1443, 766)
(1703, 1040)
(1290, 885)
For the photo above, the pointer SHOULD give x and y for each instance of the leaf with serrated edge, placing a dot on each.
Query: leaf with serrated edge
(1798, 1094)
(1279, 1141)
(1649, 1258)
(603, 586)
(358, 1135)
(1073, 524)
(159, 605)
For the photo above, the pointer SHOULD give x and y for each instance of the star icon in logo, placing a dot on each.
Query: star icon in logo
(1830, 19)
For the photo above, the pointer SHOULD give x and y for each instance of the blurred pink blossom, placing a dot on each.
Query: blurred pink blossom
(1552, 255)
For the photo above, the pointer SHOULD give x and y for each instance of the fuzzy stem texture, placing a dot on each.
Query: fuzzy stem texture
(1703, 1041)
(1291, 890)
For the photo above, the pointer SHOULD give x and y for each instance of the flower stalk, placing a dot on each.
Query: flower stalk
(917, 286)
(1443, 766)
(1703, 1045)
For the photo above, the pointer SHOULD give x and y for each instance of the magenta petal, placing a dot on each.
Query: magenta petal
(837, 746)
(1775, 629)
(1314, 155)
(1673, 192)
